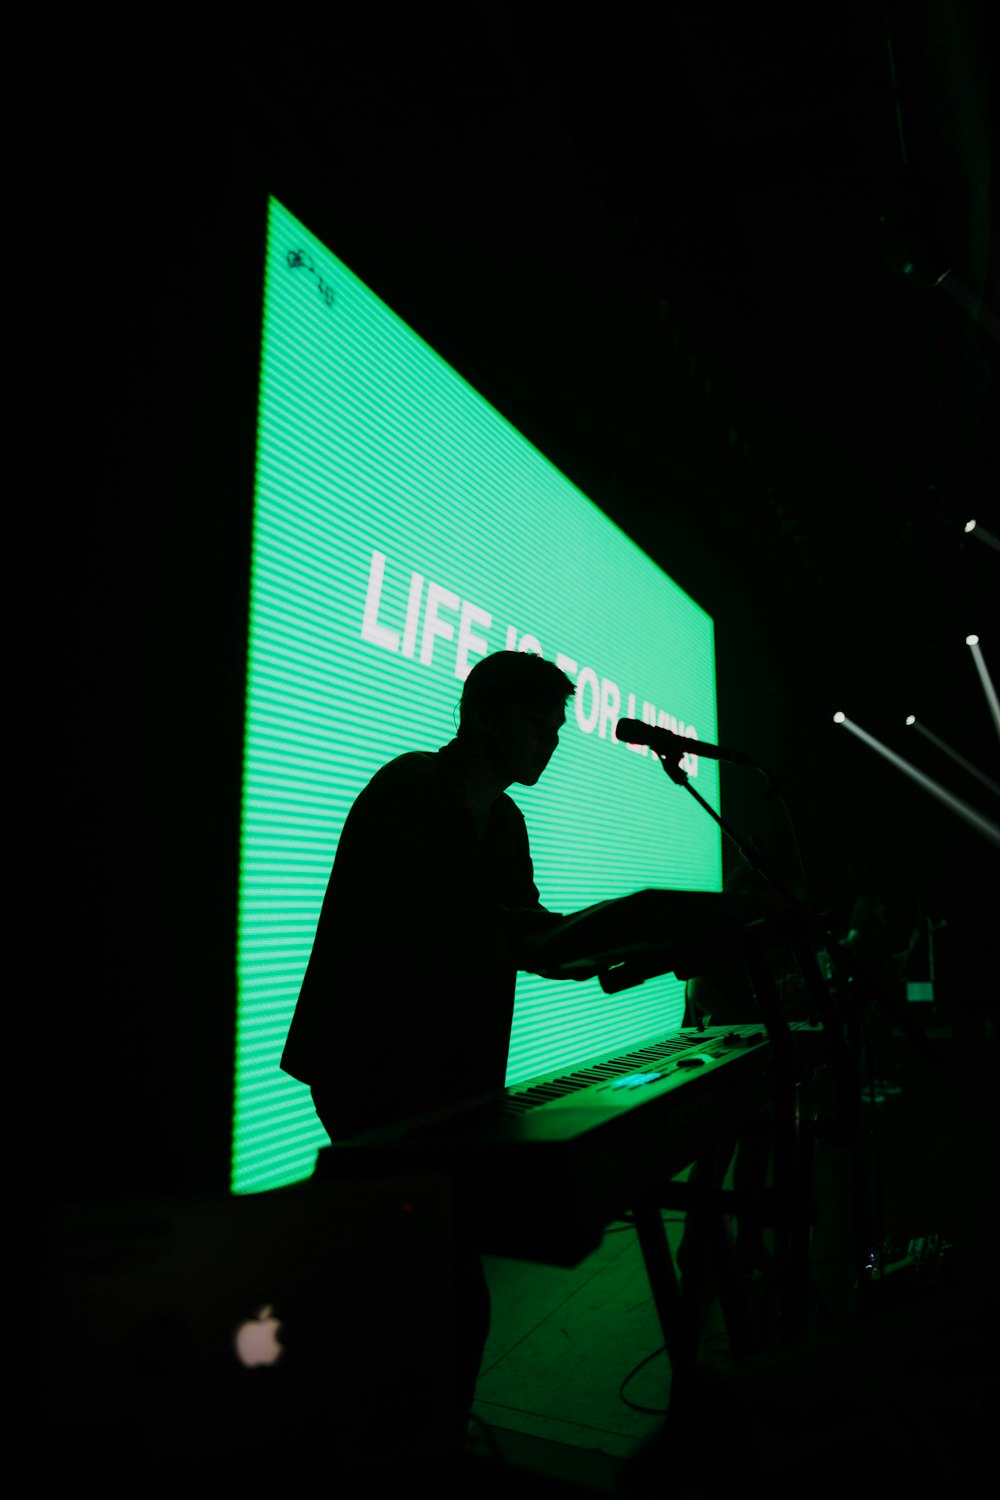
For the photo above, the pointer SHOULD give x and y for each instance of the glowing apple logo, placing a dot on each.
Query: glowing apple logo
(257, 1341)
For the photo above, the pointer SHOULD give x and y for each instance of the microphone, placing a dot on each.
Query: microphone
(672, 746)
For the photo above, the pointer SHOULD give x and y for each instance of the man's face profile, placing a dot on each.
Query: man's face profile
(524, 741)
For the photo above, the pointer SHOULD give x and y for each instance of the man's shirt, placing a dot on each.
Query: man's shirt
(408, 997)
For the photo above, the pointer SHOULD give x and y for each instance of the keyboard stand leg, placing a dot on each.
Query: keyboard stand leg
(680, 1331)
(711, 1253)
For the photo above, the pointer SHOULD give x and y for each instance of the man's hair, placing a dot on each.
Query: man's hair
(510, 679)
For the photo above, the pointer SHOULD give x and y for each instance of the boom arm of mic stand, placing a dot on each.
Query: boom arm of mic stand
(754, 859)
(749, 851)
(799, 935)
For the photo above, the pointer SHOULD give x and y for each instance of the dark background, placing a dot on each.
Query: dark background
(692, 255)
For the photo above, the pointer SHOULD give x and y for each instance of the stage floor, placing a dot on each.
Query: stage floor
(550, 1399)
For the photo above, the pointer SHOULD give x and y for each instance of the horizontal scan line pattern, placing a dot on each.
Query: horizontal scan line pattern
(368, 442)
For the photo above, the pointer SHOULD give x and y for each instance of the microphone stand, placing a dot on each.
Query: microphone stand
(795, 926)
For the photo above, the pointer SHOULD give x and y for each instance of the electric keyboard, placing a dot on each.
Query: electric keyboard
(546, 1165)
(631, 938)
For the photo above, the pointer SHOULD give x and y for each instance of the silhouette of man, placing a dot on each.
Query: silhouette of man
(408, 997)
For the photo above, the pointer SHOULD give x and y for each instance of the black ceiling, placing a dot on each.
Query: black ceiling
(692, 253)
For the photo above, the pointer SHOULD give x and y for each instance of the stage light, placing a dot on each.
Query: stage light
(970, 525)
(972, 640)
(839, 718)
(982, 825)
(911, 719)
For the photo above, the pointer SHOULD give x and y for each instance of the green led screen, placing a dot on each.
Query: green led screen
(402, 530)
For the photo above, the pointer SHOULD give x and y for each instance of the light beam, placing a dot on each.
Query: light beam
(959, 760)
(949, 283)
(972, 641)
(968, 814)
(973, 528)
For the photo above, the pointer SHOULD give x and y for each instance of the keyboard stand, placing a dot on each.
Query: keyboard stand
(680, 1331)
(709, 1265)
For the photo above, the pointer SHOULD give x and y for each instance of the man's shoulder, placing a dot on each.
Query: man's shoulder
(412, 766)
(414, 771)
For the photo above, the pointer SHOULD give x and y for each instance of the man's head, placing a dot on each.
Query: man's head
(513, 706)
